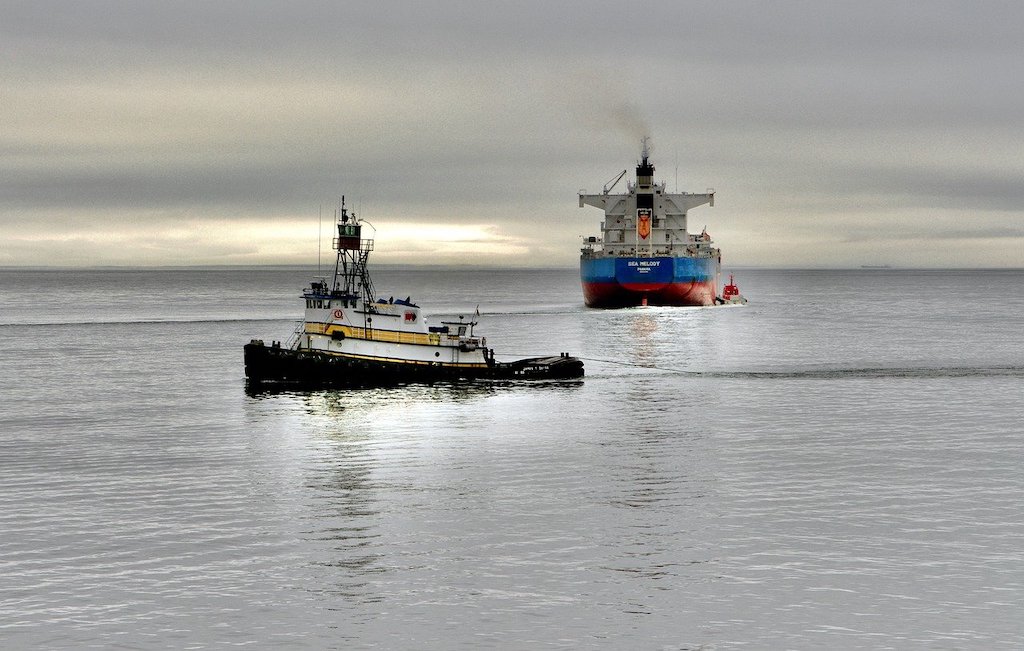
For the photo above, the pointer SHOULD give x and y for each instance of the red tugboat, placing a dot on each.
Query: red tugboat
(731, 294)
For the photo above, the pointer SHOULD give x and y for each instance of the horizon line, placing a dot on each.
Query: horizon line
(413, 265)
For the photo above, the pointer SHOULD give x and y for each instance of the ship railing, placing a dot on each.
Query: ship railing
(300, 328)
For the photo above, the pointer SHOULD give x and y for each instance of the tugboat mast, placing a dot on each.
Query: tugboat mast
(351, 278)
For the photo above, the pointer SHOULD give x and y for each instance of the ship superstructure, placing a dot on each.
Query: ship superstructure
(646, 254)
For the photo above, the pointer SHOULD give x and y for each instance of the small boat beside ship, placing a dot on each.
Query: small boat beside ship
(645, 254)
(731, 294)
(349, 337)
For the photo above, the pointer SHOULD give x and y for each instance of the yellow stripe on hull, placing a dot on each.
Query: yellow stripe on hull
(373, 334)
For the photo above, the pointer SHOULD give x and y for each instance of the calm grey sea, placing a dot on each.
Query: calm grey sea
(835, 465)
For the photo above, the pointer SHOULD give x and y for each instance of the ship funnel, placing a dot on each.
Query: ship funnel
(645, 171)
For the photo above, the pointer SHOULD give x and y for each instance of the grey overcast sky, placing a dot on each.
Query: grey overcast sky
(185, 132)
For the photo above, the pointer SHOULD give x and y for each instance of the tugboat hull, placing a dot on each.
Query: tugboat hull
(276, 365)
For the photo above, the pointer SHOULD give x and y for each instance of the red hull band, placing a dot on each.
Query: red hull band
(693, 294)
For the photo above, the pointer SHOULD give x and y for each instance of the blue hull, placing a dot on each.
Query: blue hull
(630, 281)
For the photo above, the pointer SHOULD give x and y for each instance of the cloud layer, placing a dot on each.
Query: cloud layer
(834, 134)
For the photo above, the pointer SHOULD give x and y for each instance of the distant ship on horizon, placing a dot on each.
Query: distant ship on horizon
(645, 254)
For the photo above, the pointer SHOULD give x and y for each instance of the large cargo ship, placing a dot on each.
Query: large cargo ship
(645, 254)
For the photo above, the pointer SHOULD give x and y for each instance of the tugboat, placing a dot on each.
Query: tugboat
(348, 337)
(645, 254)
(731, 294)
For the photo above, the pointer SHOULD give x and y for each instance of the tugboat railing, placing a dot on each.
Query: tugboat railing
(300, 328)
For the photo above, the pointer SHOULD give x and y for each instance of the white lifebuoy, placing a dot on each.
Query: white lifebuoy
(338, 314)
